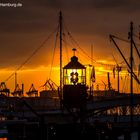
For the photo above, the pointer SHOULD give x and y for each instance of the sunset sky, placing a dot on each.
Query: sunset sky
(23, 29)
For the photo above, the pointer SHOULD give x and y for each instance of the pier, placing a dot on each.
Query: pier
(107, 113)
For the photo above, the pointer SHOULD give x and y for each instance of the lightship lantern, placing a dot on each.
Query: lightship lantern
(74, 83)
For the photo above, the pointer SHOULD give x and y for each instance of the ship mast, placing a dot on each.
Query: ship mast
(131, 71)
(60, 37)
(130, 66)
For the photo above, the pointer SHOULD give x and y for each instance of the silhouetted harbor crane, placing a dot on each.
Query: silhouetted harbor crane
(32, 91)
(51, 89)
(3, 89)
(18, 92)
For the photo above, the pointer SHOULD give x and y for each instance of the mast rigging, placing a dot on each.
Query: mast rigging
(60, 37)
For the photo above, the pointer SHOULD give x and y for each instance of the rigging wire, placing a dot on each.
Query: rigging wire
(121, 39)
(129, 42)
(33, 53)
(136, 36)
(66, 48)
(82, 55)
(125, 40)
(94, 61)
(55, 44)
(77, 44)
(74, 42)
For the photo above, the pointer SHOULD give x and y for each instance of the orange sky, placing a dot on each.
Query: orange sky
(44, 65)
(38, 77)
(89, 21)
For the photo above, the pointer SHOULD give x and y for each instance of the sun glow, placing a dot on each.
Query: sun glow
(39, 75)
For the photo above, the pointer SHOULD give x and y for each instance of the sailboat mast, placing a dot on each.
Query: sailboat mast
(60, 37)
(131, 72)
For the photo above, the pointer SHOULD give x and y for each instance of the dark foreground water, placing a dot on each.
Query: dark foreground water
(32, 131)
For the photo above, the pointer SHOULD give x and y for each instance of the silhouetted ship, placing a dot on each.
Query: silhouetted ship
(71, 110)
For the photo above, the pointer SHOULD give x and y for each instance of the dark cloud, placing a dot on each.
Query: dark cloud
(94, 19)
(36, 15)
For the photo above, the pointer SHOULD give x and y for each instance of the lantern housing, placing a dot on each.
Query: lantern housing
(74, 84)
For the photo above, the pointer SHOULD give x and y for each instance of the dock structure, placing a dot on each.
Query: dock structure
(108, 113)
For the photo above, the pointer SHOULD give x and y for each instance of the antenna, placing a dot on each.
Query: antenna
(74, 50)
